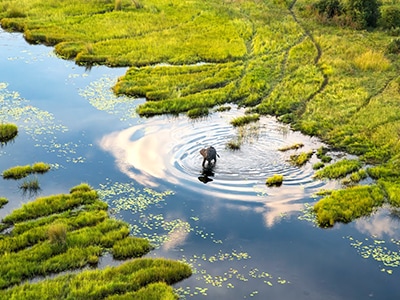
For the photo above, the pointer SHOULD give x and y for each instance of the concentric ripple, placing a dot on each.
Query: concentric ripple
(165, 149)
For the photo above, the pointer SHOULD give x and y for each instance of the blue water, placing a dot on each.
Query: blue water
(243, 239)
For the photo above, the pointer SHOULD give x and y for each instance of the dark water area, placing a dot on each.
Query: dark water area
(243, 239)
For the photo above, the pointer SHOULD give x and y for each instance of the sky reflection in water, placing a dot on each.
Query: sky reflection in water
(243, 239)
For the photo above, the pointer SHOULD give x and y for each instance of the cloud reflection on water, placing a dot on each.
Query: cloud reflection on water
(380, 224)
(141, 159)
(167, 150)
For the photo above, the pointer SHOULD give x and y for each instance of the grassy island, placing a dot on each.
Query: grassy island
(72, 231)
(7, 132)
(19, 172)
(330, 68)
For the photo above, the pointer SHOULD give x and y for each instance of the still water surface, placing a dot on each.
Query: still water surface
(243, 239)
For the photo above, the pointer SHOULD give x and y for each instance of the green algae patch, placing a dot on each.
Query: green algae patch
(348, 204)
(71, 231)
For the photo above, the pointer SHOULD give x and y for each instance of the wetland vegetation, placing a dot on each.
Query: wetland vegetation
(7, 132)
(73, 231)
(19, 172)
(275, 180)
(318, 65)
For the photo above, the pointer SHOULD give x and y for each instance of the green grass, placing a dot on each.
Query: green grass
(30, 185)
(199, 112)
(275, 58)
(349, 204)
(291, 147)
(234, 144)
(57, 233)
(8, 132)
(275, 180)
(130, 247)
(137, 279)
(339, 169)
(19, 172)
(300, 159)
(246, 119)
(3, 201)
(40, 167)
(68, 232)
(318, 165)
(321, 154)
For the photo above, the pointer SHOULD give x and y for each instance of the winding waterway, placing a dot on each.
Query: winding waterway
(242, 238)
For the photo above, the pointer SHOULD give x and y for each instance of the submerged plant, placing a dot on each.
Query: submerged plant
(30, 186)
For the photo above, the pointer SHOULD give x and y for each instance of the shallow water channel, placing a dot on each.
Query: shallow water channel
(243, 239)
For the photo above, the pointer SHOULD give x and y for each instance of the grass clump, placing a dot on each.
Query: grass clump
(275, 180)
(57, 233)
(291, 147)
(356, 177)
(318, 165)
(130, 247)
(347, 205)
(339, 169)
(223, 108)
(243, 120)
(321, 154)
(40, 167)
(373, 61)
(300, 159)
(392, 190)
(234, 144)
(19, 172)
(83, 187)
(3, 201)
(199, 112)
(8, 132)
(30, 185)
